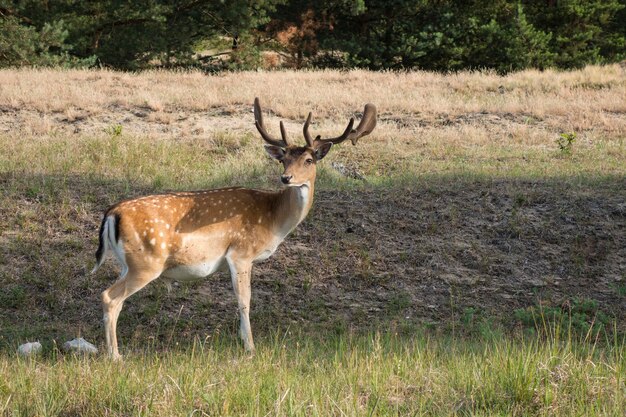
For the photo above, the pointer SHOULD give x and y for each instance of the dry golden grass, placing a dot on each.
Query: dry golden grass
(428, 123)
(592, 100)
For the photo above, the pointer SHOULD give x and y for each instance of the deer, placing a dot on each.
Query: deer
(192, 234)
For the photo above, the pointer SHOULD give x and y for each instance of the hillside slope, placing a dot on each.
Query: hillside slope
(461, 204)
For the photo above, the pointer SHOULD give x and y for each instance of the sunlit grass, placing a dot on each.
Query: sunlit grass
(162, 164)
(351, 374)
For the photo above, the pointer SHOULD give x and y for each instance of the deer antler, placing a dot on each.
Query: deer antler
(365, 127)
(305, 131)
(258, 122)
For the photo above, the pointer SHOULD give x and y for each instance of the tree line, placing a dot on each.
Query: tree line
(440, 35)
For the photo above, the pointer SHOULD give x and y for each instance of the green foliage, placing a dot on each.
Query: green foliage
(565, 142)
(584, 31)
(114, 130)
(22, 45)
(138, 34)
(398, 303)
(442, 35)
(477, 323)
(620, 289)
(246, 56)
(445, 35)
(581, 316)
(527, 47)
(13, 296)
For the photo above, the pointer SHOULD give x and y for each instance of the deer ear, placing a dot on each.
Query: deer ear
(322, 150)
(275, 152)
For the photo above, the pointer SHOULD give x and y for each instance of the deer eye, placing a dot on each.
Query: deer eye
(309, 161)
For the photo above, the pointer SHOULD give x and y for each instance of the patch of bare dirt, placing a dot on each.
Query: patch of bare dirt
(427, 252)
(145, 120)
(141, 120)
(418, 254)
(475, 118)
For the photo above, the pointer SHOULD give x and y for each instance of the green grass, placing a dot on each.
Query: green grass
(351, 374)
(455, 207)
(239, 159)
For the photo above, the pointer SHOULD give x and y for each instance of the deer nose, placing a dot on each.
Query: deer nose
(286, 178)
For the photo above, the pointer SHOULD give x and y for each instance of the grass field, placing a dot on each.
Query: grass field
(468, 258)
(323, 376)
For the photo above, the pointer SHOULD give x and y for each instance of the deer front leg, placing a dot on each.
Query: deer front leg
(240, 272)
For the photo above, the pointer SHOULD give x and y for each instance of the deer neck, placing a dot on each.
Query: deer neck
(292, 206)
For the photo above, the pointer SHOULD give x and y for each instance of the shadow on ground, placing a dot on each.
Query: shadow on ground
(369, 257)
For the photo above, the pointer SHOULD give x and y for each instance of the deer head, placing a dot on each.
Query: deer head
(299, 162)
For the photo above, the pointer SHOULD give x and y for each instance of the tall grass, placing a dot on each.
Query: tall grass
(350, 374)
(230, 159)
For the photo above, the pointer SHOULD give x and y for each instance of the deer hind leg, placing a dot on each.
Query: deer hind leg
(113, 299)
(240, 272)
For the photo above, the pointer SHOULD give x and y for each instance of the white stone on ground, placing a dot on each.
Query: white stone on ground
(79, 345)
(29, 349)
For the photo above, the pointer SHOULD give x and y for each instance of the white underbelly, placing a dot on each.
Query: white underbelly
(269, 251)
(264, 255)
(188, 272)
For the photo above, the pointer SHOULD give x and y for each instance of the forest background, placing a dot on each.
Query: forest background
(437, 35)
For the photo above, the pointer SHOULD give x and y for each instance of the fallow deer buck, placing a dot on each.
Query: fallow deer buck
(182, 235)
